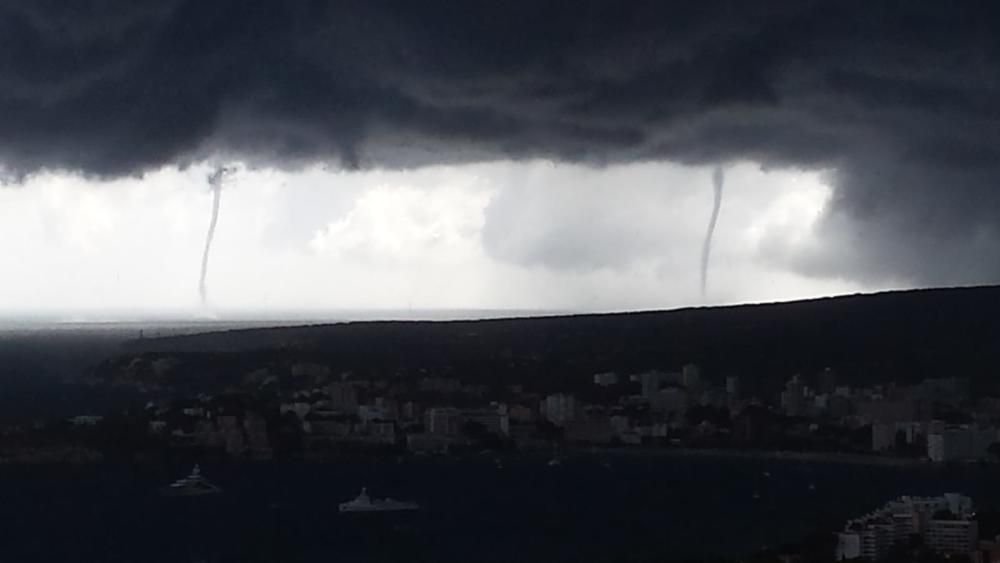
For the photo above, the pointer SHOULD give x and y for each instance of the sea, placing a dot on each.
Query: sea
(594, 506)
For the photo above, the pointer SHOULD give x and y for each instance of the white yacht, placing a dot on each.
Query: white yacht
(364, 503)
(192, 485)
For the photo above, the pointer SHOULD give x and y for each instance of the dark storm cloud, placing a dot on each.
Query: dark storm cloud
(899, 98)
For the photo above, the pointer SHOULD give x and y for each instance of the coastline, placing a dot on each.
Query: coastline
(76, 455)
(816, 457)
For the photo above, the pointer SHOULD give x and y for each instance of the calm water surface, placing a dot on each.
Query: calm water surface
(591, 508)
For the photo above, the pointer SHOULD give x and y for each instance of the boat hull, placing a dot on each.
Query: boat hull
(395, 508)
(178, 492)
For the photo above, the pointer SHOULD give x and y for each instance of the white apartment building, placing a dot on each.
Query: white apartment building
(559, 408)
(952, 536)
(945, 523)
(958, 442)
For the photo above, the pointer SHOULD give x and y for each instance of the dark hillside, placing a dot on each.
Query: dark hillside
(901, 336)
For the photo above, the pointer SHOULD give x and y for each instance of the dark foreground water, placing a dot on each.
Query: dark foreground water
(591, 508)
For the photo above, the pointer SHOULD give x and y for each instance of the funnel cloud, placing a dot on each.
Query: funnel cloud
(215, 181)
(706, 247)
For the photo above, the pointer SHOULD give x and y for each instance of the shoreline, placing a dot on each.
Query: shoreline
(84, 456)
(781, 455)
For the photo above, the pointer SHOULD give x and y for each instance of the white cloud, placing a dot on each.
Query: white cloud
(403, 224)
(500, 235)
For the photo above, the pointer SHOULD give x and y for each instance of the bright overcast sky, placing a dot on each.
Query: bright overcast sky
(525, 235)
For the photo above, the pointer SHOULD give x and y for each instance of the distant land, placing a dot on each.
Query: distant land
(902, 336)
(40, 349)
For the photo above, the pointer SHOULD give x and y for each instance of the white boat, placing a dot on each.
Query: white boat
(555, 462)
(364, 503)
(192, 485)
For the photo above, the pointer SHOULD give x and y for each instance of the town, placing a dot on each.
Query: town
(306, 410)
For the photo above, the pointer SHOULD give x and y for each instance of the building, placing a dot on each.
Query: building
(591, 431)
(848, 545)
(713, 396)
(232, 435)
(428, 443)
(410, 411)
(86, 420)
(691, 377)
(372, 413)
(870, 537)
(755, 425)
(988, 551)
(559, 408)
(388, 407)
(793, 398)
(440, 385)
(315, 371)
(256, 432)
(443, 421)
(620, 423)
(207, 434)
(958, 442)
(343, 397)
(653, 381)
(839, 406)
(945, 524)
(495, 421)
(883, 436)
(671, 402)
(886, 436)
(329, 424)
(952, 535)
(912, 431)
(889, 411)
(827, 381)
(520, 413)
(606, 379)
(950, 389)
(382, 431)
(527, 437)
(300, 408)
(733, 387)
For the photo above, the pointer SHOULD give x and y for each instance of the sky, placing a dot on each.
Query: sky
(530, 236)
(533, 154)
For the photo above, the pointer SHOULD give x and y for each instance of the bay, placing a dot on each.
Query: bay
(592, 507)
